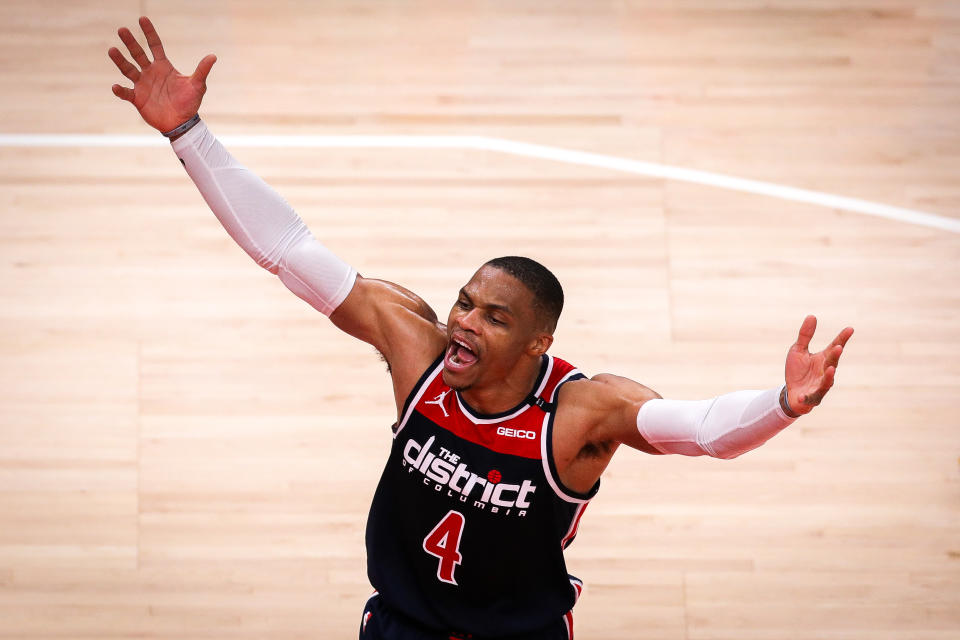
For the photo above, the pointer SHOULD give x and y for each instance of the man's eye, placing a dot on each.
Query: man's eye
(494, 320)
(462, 304)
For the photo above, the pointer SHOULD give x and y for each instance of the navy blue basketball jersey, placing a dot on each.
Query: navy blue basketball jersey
(469, 521)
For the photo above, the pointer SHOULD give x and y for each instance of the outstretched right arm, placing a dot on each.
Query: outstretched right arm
(395, 321)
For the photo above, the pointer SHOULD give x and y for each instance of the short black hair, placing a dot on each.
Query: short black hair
(546, 289)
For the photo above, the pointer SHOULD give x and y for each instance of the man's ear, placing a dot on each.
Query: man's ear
(540, 344)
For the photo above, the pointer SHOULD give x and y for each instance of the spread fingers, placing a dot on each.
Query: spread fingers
(123, 64)
(156, 48)
(135, 49)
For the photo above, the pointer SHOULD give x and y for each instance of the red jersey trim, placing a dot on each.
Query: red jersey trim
(417, 393)
(516, 431)
(478, 418)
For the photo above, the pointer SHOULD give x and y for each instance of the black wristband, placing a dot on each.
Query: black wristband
(786, 404)
(186, 126)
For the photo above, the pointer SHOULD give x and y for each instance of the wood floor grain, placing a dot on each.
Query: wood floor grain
(188, 451)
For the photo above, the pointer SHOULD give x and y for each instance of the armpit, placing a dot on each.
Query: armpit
(596, 450)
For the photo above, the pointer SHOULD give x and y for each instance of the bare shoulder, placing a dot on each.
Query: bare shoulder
(594, 417)
(398, 323)
(605, 392)
(602, 410)
(610, 384)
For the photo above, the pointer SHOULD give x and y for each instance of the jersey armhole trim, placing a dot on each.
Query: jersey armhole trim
(546, 451)
(415, 394)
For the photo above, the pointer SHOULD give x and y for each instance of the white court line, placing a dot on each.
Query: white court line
(525, 149)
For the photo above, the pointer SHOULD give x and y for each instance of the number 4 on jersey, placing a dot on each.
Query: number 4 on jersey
(444, 543)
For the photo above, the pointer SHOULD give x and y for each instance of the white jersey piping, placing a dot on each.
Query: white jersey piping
(545, 450)
(416, 398)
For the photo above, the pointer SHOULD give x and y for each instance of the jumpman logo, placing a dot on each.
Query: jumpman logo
(439, 402)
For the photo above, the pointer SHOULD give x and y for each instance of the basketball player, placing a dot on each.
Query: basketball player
(498, 446)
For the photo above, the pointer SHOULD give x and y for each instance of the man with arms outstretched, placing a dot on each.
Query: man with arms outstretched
(498, 446)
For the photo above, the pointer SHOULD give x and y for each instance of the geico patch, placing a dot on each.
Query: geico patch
(516, 433)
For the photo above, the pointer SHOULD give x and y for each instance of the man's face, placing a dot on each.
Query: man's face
(491, 327)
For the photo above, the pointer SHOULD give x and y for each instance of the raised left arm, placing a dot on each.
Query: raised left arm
(722, 427)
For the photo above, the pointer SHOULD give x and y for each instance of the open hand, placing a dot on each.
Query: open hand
(810, 375)
(164, 97)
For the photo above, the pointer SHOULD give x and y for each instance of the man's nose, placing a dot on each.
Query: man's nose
(470, 320)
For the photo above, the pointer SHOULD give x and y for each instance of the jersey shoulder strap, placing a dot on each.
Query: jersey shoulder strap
(559, 371)
(562, 372)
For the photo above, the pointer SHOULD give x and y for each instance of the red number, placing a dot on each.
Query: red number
(444, 543)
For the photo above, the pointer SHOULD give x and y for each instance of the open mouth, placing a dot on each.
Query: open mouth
(459, 355)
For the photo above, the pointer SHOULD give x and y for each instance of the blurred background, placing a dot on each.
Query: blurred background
(188, 451)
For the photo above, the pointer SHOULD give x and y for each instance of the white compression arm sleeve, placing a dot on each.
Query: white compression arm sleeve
(262, 222)
(722, 427)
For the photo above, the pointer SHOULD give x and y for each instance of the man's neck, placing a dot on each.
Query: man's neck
(506, 393)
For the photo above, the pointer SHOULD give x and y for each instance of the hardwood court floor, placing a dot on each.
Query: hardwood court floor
(188, 451)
